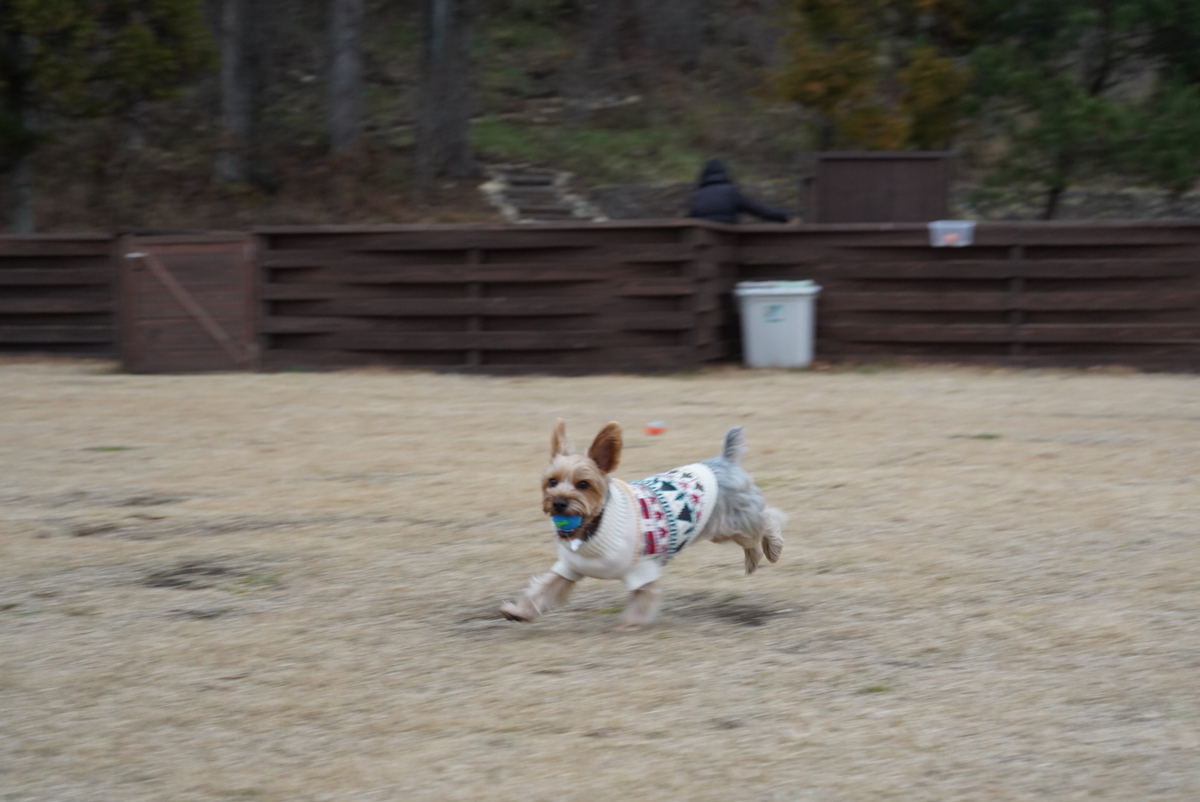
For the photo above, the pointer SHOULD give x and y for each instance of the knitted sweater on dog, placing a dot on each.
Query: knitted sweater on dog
(644, 524)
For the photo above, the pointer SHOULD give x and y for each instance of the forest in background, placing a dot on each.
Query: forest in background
(198, 114)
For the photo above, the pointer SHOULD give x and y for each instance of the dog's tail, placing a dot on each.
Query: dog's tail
(734, 447)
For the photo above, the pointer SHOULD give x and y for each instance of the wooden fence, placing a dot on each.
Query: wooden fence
(560, 298)
(655, 295)
(58, 295)
(1069, 294)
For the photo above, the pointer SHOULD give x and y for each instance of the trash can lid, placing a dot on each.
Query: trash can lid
(776, 288)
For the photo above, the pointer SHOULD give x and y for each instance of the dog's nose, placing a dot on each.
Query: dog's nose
(560, 505)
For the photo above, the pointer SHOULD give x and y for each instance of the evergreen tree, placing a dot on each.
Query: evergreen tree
(879, 74)
(1065, 81)
(75, 58)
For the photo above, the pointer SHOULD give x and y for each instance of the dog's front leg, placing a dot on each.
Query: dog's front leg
(544, 592)
(641, 608)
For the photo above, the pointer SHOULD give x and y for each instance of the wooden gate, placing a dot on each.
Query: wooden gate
(188, 303)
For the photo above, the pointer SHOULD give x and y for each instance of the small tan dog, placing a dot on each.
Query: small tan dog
(609, 529)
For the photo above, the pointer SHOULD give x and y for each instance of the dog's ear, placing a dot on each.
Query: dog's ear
(558, 440)
(606, 448)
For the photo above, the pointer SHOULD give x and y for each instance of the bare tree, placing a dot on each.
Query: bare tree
(593, 71)
(627, 43)
(19, 134)
(237, 90)
(673, 30)
(345, 74)
(444, 115)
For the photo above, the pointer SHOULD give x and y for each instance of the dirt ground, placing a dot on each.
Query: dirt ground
(284, 587)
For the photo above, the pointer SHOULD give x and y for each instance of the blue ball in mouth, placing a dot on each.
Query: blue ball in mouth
(566, 524)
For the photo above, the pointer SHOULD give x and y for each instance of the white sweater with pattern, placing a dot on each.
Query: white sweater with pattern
(644, 524)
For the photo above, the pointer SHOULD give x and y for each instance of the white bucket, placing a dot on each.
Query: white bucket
(778, 322)
(951, 233)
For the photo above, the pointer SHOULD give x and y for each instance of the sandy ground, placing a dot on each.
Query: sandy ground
(283, 587)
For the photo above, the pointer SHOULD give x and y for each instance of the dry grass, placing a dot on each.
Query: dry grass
(283, 587)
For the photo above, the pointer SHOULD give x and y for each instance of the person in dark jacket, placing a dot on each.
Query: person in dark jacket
(718, 199)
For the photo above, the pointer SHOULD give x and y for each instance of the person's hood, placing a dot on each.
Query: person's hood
(714, 172)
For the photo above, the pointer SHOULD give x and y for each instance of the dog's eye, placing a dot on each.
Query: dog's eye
(581, 485)
(552, 483)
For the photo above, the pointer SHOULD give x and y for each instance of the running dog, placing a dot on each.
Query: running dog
(610, 529)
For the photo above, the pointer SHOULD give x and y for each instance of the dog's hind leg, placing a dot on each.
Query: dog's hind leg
(544, 592)
(640, 609)
(753, 548)
(772, 539)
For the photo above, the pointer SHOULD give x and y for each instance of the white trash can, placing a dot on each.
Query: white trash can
(778, 322)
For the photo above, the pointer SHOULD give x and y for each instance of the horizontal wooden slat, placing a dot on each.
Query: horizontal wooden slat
(654, 287)
(1100, 300)
(987, 234)
(1110, 333)
(487, 340)
(355, 256)
(975, 269)
(304, 291)
(621, 287)
(867, 353)
(53, 276)
(480, 238)
(918, 333)
(55, 334)
(445, 274)
(1001, 301)
(191, 243)
(918, 301)
(45, 246)
(54, 306)
(1065, 333)
(1106, 268)
(313, 257)
(315, 325)
(439, 307)
(611, 320)
(433, 240)
(656, 321)
(570, 363)
(1088, 234)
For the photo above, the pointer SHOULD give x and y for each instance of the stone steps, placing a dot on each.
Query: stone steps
(532, 194)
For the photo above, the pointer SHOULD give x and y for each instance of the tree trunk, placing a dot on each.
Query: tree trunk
(444, 116)
(237, 92)
(21, 180)
(672, 30)
(596, 69)
(1064, 168)
(1052, 197)
(345, 75)
(21, 140)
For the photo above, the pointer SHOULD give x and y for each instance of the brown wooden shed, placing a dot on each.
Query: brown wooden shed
(880, 187)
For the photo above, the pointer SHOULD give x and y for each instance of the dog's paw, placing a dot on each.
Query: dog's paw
(772, 547)
(512, 613)
(752, 558)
